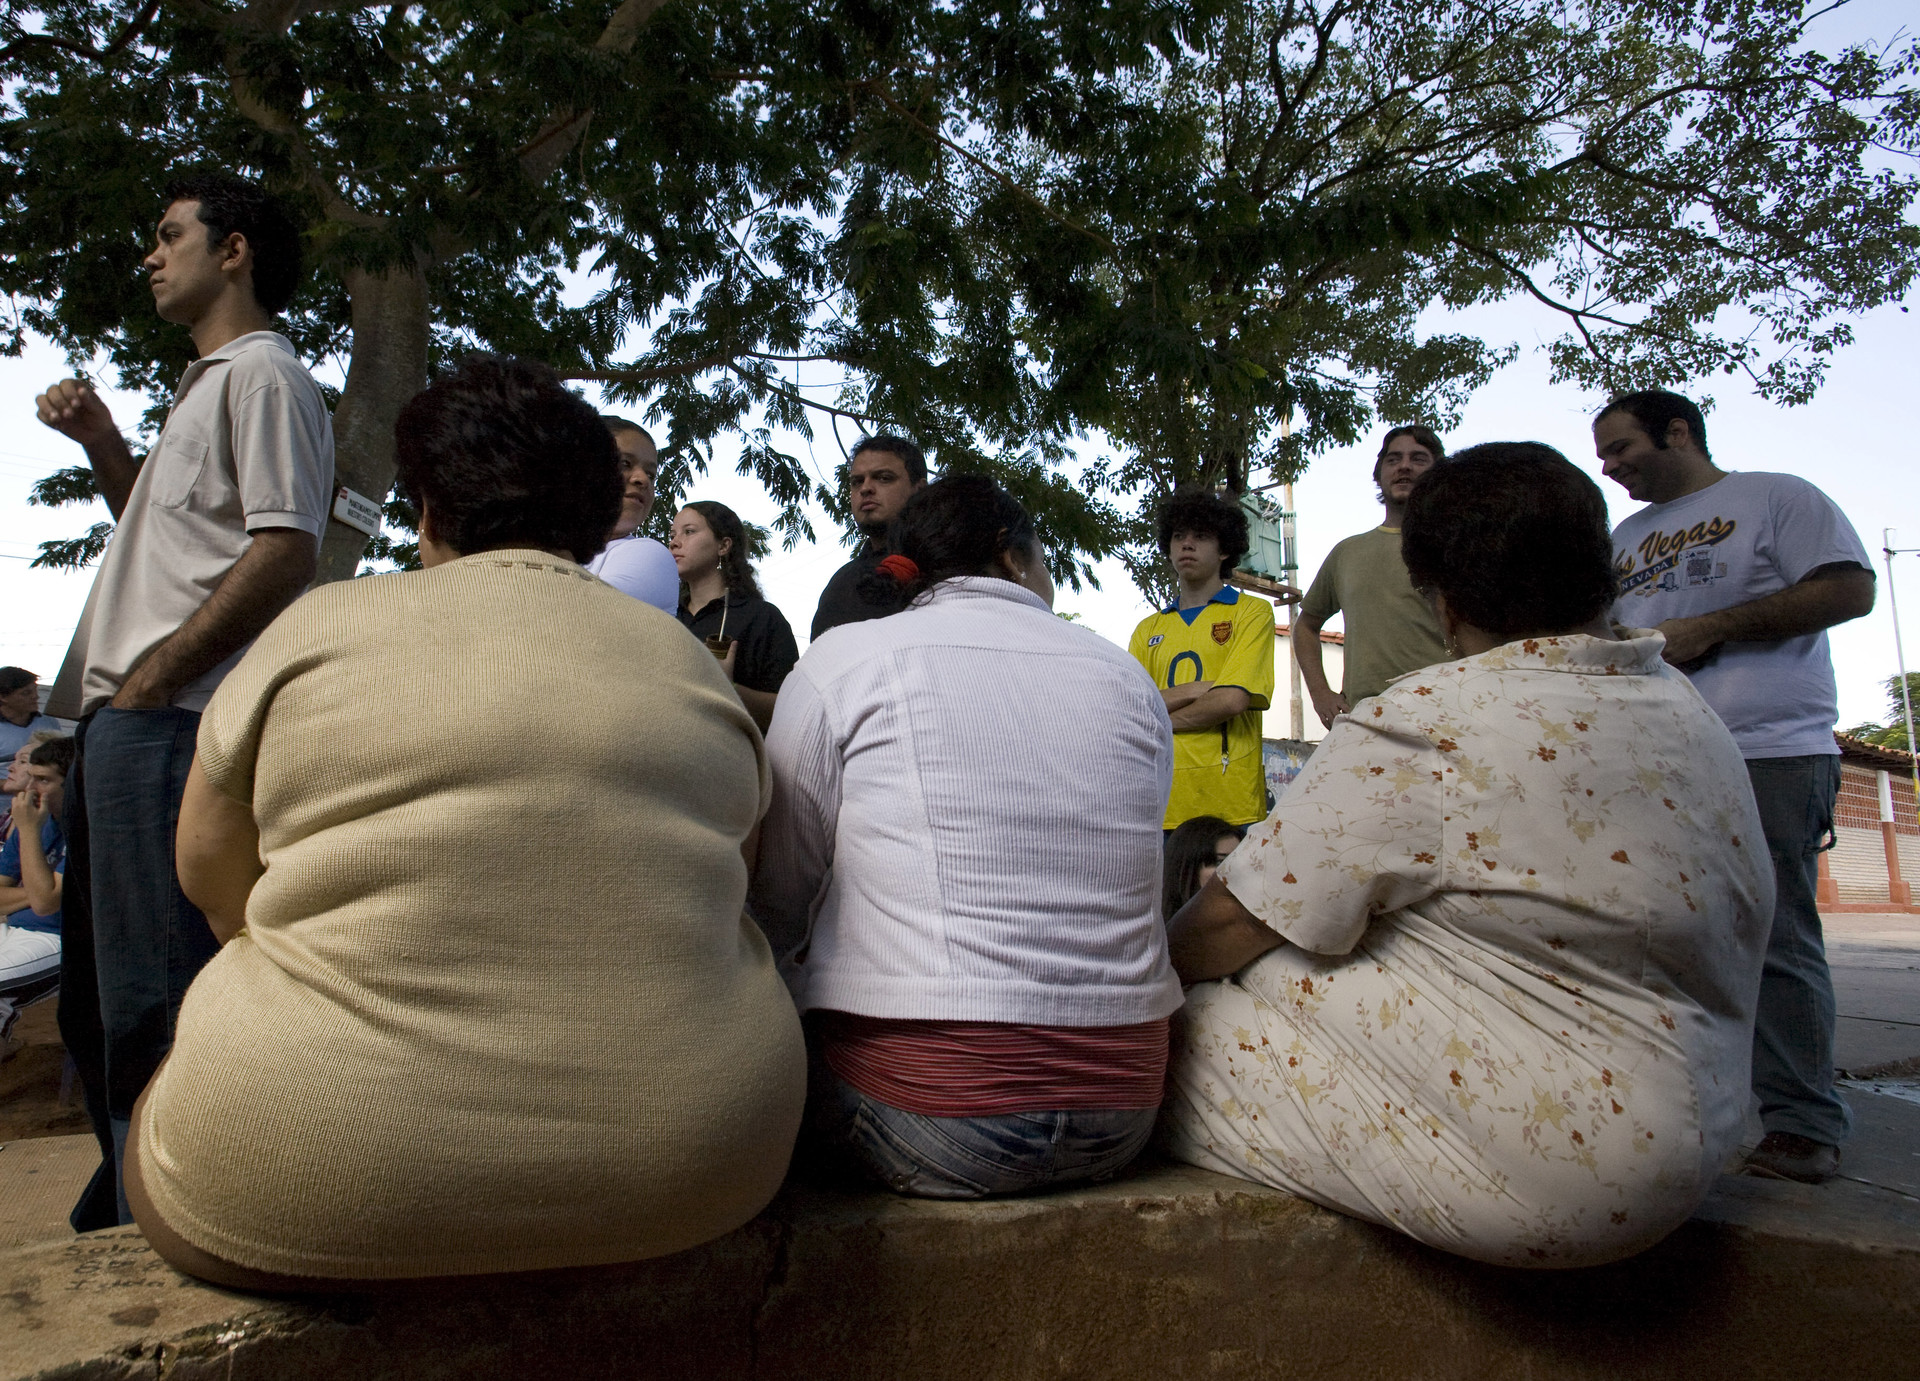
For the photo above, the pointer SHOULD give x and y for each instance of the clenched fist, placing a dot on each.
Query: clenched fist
(73, 409)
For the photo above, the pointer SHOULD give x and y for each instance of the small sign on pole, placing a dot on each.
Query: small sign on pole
(357, 511)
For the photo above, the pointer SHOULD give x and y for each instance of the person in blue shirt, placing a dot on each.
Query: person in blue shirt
(32, 869)
(20, 713)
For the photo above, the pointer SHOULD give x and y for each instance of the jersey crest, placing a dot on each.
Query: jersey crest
(1222, 631)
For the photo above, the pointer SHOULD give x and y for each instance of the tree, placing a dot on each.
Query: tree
(456, 161)
(1255, 225)
(1896, 733)
(1176, 224)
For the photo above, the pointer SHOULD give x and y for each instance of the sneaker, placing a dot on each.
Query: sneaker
(1784, 1156)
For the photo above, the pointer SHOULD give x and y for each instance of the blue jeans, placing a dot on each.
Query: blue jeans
(134, 943)
(974, 1157)
(1794, 1025)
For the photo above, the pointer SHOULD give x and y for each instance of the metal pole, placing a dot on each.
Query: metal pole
(1889, 551)
(1296, 705)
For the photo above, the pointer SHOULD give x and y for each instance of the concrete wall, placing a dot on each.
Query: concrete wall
(1173, 1275)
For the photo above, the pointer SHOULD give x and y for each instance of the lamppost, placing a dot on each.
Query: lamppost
(1888, 551)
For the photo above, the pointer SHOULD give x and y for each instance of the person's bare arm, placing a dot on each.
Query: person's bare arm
(1825, 596)
(278, 564)
(1179, 697)
(217, 854)
(1327, 702)
(12, 895)
(1213, 935)
(1215, 707)
(73, 409)
(759, 704)
(37, 878)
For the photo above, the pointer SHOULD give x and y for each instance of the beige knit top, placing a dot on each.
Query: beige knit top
(496, 1007)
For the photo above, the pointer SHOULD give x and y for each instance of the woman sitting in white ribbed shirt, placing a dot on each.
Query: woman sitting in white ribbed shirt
(961, 864)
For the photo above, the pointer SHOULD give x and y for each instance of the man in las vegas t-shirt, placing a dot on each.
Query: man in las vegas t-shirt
(1744, 573)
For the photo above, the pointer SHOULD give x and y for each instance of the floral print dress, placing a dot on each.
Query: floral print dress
(1526, 897)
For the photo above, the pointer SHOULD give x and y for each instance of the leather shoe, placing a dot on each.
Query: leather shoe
(1784, 1156)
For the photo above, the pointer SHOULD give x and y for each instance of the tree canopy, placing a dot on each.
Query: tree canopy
(1172, 225)
(1895, 732)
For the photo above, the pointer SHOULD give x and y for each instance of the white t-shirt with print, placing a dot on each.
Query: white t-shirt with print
(1740, 539)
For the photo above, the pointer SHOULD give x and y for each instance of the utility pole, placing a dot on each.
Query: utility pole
(1296, 709)
(1888, 551)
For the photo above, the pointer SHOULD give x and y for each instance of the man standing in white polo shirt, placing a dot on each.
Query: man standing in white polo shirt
(218, 530)
(1744, 572)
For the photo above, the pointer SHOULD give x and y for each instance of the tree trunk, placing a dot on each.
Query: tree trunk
(389, 366)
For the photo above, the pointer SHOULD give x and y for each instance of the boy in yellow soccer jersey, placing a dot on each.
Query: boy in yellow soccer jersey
(1211, 654)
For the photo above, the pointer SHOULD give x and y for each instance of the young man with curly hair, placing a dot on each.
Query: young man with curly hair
(1211, 654)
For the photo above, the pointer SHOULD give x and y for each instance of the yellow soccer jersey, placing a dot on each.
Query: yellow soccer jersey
(1216, 771)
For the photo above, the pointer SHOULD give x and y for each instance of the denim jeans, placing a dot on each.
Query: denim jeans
(132, 941)
(1794, 1025)
(974, 1157)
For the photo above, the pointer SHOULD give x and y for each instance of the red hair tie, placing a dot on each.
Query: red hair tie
(903, 569)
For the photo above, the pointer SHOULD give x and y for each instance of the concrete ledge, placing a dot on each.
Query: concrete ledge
(1173, 1273)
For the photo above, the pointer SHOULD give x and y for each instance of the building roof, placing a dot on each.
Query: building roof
(1872, 754)
(1285, 630)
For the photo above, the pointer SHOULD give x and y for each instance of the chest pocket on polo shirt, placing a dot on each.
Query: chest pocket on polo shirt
(181, 460)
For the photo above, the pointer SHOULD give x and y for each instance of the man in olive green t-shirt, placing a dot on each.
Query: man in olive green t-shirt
(1390, 629)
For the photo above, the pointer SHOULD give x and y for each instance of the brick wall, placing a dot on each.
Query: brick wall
(1859, 804)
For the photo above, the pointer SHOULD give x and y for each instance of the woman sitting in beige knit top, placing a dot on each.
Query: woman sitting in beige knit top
(479, 1008)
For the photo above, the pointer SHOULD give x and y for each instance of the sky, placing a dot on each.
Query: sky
(1852, 441)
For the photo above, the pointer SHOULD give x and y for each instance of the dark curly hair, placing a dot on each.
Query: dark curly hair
(737, 564)
(1515, 537)
(232, 205)
(502, 454)
(955, 526)
(1656, 410)
(1196, 510)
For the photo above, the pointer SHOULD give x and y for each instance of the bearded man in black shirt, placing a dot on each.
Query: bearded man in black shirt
(882, 475)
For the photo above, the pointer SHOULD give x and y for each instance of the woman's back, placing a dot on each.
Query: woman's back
(995, 856)
(496, 1007)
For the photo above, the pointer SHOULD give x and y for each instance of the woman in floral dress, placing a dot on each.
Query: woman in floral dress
(1487, 974)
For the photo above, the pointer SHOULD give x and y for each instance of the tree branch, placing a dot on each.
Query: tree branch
(554, 140)
(650, 373)
(127, 36)
(1021, 193)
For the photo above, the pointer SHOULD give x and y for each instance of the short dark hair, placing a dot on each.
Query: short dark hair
(1656, 410)
(500, 453)
(1424, 436)
(1197, 510)
(12, 678)
(1189, 849)
(910, 455)
(232, 205)
(54, 752)
(737, 564)
(953, 527)
(1515, 536)
(617, 425)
